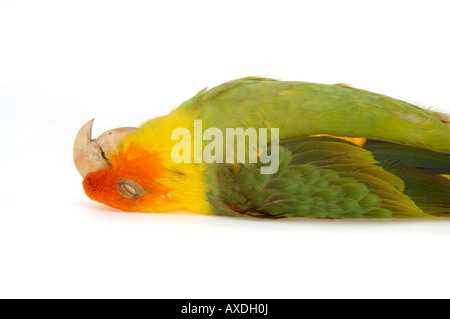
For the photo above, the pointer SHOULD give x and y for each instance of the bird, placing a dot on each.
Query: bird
(309, 150)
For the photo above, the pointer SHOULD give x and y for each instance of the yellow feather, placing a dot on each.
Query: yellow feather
(360, 141)
(185, 179)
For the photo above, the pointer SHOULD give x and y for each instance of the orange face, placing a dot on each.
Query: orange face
(130, 182)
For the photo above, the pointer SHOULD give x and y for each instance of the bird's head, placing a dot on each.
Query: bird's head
(129, 179)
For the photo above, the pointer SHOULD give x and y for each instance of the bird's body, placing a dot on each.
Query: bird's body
(398, 169)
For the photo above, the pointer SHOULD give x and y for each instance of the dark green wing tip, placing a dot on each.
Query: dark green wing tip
(424, 159)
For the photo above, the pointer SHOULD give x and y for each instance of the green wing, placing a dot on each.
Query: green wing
(331, 178)
(420, 170)
(301, 109)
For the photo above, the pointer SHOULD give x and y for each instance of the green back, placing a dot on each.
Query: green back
(301, 109)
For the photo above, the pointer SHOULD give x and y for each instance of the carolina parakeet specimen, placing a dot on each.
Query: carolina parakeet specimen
(342, 153)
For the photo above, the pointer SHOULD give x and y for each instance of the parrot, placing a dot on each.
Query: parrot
(342, 153)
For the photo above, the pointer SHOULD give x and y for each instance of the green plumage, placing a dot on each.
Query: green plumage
(329, 178)
(302, 109)
(326, 177)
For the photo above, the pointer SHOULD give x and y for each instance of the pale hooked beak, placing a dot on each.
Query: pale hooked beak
(88, 154)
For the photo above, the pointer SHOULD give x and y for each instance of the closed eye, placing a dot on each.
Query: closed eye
(130, 189)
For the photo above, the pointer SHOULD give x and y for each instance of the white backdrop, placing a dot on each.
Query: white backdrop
(124, 62)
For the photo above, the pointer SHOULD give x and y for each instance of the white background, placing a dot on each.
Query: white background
(124, 62)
